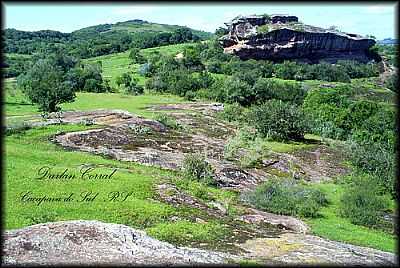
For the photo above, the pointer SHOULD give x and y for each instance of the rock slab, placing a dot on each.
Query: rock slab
(93, 242)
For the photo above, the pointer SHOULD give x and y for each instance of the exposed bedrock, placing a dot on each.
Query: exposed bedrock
(82, 242)
(284, 39)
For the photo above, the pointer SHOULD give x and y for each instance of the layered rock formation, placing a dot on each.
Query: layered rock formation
(281, 37)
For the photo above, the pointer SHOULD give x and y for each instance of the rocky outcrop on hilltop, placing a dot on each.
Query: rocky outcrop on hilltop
(281, 37)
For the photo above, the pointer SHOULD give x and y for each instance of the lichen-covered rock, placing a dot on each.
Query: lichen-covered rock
(93, 243)
(294, 248)
(281, 37)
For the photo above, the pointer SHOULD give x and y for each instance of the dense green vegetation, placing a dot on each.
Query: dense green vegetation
(286, 196)
(100, 39)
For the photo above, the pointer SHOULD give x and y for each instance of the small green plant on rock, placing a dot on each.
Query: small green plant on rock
(197, 168)
(263, 29)
(140, 130)
(168, 121)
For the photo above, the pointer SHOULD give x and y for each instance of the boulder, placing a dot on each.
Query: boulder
(282, 37)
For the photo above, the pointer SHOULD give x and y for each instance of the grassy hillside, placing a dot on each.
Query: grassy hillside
(136, 26)
(116, 64)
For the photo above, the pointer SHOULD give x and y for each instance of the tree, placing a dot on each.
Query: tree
(123, 79)
(136, 57)
(44, 85)
(130, 83)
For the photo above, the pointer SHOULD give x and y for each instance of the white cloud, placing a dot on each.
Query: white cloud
(379, 9)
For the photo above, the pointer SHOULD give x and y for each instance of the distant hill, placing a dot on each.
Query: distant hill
(388, 41)
(100, 39)
(137, 26)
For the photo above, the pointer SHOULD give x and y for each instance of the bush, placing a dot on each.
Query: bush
(286, 70)
(170, 76)
(269, 88)
(376, 159)
(130, 83)
(263, 29)
(392, 82)
(362, 202)
(243, 138)
(330, 73)
(358, 70)
(233, 113)
(197, 168)
(254, 153)
(287, 197)
(278, 120)
(168, 121)
(217, 90)
(237, 90)
(205, 80)
(136, 57)
(190, 95)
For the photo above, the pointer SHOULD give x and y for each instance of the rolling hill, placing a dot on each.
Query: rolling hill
(136, 26)
(100, 39)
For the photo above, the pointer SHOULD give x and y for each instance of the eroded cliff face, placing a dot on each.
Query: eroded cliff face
(279, 38)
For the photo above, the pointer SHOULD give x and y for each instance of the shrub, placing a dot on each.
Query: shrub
(377, 159)
(145, 69)
(214, 67)
(190, 95)
(392, 82)
(254, 153)
(217, 90)
(263, 29)
(330, 73)
(362, 202)
(243, 138)
(287, 197)
(278, 120)
(358, 70)
(205, 80)
(248, 76)
(233, 113)
(286, 70)
(168, 121)
(136, 57)
(269, 88)
(238, 91)
(197, 168)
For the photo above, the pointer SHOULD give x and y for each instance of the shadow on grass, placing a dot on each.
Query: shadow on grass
(18, 103)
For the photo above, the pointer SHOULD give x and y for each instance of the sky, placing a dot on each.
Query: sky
(372, 18)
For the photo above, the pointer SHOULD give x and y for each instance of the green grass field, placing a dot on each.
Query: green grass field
(17, 105)
(27, 153)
